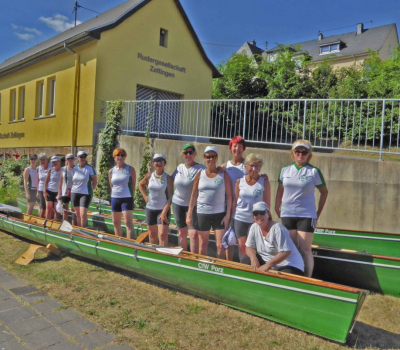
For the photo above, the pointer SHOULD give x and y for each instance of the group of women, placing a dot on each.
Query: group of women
(203, 198)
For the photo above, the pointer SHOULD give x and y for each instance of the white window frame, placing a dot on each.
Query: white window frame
(330, 49)
(13, 102)
(163, 37)
(40, 97)
(51, 96)
(21, 103)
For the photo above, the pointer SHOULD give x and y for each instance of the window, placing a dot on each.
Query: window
(13, 104)
(51, 86)
(329, 48)
(271, 57)
(163, 37)
(39, 98)
(21, 104)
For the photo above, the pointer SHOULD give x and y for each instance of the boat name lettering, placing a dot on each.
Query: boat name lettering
(205, 266)
(324, 230)
(314, 253)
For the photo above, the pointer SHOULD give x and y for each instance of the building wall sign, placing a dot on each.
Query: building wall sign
(155, 69)
(12, 135)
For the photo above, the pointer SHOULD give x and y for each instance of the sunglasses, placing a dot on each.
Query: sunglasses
(210, 157)
(188, 152)
(158, 160)
(121, 155)
(84, 157)
(304, 153)
(259, 212)
(70, 158)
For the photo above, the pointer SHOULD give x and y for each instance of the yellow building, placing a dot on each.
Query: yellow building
(51, 95)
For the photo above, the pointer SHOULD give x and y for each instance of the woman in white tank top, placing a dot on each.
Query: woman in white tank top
(42, 171)
(212, 193)
(64, 188)
(30, 183)
(157, 188)
(50, 190)
(250, 189)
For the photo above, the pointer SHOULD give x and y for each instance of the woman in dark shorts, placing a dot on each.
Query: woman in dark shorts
(295, 199)
(212, 194)
(42, 171)
(50, 191)
(122, 180)
(183, 185)
(158, 198)
(84, 181)
(64, 189)
(30, 183)
(271, 240)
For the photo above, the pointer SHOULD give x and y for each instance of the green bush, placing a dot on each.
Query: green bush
(11, 178)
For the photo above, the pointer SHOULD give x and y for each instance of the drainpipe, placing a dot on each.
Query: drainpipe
(76, 97)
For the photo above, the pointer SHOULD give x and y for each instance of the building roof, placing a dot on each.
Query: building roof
(250, 48)
(351, 43)
(88, 31)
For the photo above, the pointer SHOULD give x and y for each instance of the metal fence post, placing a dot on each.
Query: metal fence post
(245, 118)
(304, 120)
(159, 115)
(197, 121)
(382, 126)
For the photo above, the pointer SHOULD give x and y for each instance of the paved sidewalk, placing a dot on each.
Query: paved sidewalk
(30, 319)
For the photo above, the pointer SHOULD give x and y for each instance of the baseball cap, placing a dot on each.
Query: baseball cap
(188, 145)
(69, 155)
(55, 159)
(301, 144)
(159, 156)
(81, 153)
(211, 148)
(33, 157)
(260, 206)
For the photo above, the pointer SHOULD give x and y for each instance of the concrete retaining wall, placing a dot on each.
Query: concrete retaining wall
(363, 193)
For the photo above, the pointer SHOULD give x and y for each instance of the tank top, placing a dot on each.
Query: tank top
(121, 180)
(42, 174)
(235, 173)
(32, 179)
(248, 196)
(82, 179)
(67, 180)
(211, 199)
(54, 180)
(183, 183)
(157, 188)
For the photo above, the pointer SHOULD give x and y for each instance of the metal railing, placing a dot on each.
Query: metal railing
(348, 124)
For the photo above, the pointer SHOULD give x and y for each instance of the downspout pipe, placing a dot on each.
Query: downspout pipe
(76, 97)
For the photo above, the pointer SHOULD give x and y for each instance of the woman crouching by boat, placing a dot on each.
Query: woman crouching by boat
(84, 182)
(212, 191)
(30, 183)
(50, 191)
(65, 186)
(249, 189)
(122, 180)
(184, 176)
(271, 240)
(42, 171)
(159, 198)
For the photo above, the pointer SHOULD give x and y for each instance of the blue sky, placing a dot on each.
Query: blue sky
(226, 23)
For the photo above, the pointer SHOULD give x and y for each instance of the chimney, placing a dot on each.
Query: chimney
(360, 28)
(320, 35)
(252, 42)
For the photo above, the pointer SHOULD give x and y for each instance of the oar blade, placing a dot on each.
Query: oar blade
(9, 208)
(66, 226)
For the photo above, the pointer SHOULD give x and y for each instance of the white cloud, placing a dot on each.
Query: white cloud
(14, 26)
(58, 22)
(24, 36)
(32, 30)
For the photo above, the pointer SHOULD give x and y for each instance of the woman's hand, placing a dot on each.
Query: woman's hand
(264, 268)
(58, 197)
(189, 220)
(163, 217)
(265, 177)
(146, 199)
(278, 212)
(225, 221)
(255, 264)
(45, 195)
(27, 195)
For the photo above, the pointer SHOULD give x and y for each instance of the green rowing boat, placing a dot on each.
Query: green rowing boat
(321, 308)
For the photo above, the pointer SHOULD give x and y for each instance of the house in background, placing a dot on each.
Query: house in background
(343, 50)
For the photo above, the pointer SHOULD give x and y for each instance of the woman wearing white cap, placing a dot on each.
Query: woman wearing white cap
(50, 190)
(159, 197)
(42, 171)
(271, 240)
(84, 181)
(65, 186)
(295, 200)
(183, 185)
(212, 193)
(30, 183)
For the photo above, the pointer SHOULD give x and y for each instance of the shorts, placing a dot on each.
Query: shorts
(65, 199)
(51, 196)
(119, 205)
(153, 217)
(241, 228)
(206, 221)
(300, 224)
(291, 269)
(42, 201)
(80, 200)
(32, 193)
(180, 213)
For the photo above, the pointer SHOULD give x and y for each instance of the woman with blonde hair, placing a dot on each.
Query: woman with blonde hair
(122, 180)
(65, 186)
(42, 171)
(295, 200)
(30, 183)
(50, 190)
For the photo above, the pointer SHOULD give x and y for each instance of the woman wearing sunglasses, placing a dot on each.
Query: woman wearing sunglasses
(212, 194)
(184, 176)
(295, 200)
(64, 189)
(271, 240)
(84, 181)
(30, 183)
(122, 180)
(42, 171)
(50, 190)
(158, 198)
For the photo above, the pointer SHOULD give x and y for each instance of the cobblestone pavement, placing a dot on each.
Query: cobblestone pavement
(31, 320)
